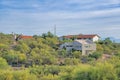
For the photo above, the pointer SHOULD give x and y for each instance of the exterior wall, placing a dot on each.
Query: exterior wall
(68, 46)
(77, 46)
(60, 38)
(87, 48)
(95, 39)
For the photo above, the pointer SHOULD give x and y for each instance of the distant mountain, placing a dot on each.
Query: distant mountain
(113, 39)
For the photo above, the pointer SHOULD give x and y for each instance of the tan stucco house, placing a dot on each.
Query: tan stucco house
(86, 46)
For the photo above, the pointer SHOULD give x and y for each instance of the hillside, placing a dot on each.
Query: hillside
(39, 58)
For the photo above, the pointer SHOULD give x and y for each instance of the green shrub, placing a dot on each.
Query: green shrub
(3, 64)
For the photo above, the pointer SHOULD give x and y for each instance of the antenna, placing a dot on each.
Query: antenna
(55, 30)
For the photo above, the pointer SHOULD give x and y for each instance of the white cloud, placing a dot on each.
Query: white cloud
(115, 1)
(42, 17)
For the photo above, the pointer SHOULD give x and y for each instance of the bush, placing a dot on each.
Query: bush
(95, 55)
(71, 61)
(3, 64)
(102, 71)
(6, 75)
(23, 75)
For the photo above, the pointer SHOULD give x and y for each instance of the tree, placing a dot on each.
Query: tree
(48, 34)
(107, 41)
(99, 47)
(62, 53)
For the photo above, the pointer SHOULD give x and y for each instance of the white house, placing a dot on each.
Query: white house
(92, 37)
(86, 46)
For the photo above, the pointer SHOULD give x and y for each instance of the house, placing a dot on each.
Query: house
(92, 37)
(25, 37)
(86, 46)
(68, 46)
(22, 37)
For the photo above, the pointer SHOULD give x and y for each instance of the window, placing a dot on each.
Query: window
(69, 46)
(90, 38)
(78, 46)
(87, 46)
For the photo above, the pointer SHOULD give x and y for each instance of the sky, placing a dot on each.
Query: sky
(32, 17)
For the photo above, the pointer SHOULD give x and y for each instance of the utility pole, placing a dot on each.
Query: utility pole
(14, 38)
